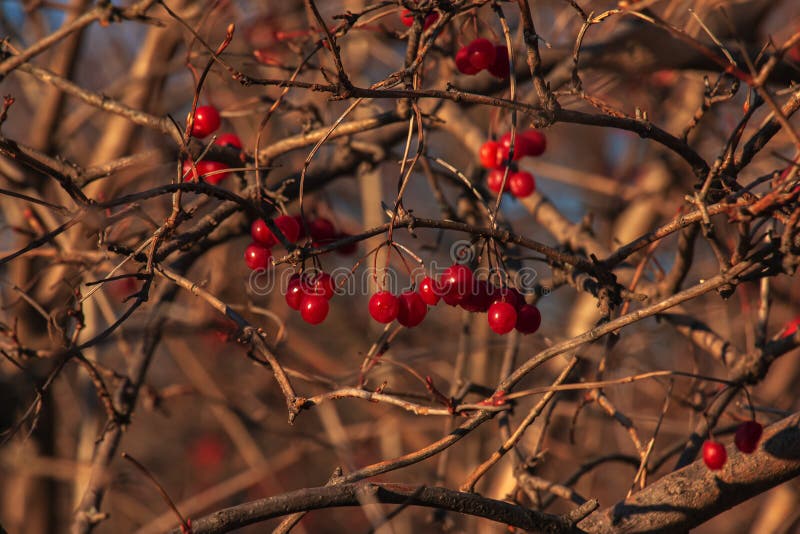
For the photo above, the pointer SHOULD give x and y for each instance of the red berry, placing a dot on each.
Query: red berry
(463, 64)
(257, 256)
(384, 307)
(792, 326)
(321, 230)
(480, 298)
(349, 249)
(262, 234)
(509, 295)
(489, 155)
(204, 170)
(481, 53)
(294, 291)
(412, 309)
(714, 454)
(520, 147)
(300, 225)
(535, 142)
(429, 291)
(494, 180)
(455, 283)
(314, 308)
(521, 184)
(322, 284)
(747, 436)
(501, 67)
(529, 318)
(229, 139)
(407, 18)
(288, 227)
(206, 121)
(502, 317)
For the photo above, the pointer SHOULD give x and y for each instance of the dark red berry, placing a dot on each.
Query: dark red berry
(481, 53)
(520, 147)
(463, 64)
(528, 319)
(314, 308)
(521, 184)
(262, 234)
(501, 67)
(509, 295)
(206, 121)
(455, 283)
(294, 291)
(429, 291)
(257, 256)
(412, 309)
(494, 180)
(502, 317)
(714, 454)
(321, 230)
(535, 142)
(322, 284)
(384, 307)
(747, 436)
(229, 139)
(288, 227)
(205, 168)
(488, 155)
(407, 18)
(300, 224)
(480, 298)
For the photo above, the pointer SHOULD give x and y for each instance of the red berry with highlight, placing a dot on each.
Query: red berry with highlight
(747, 436)
(229, 139)
(205, 168)
(412, 309)
(455, 283)
(481, 53)
(206, 121)
(314, 308)
(322, 284)
(257, 256)
(288, 227)
(521, 184)
(262, 234)
(502, 317)
(535, 142)
(463, 64)
(429, 291)
(529, 318)
(489, 155)
(294, 291)
(494, 180)
(714, 454)
(384, 307)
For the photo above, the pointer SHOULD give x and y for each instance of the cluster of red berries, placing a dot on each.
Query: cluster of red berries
(407, 18)
(482, 54)
(746, 440)
(258, 254)
(309, 294)
(457, 286)
(494, 156)
(206, 122)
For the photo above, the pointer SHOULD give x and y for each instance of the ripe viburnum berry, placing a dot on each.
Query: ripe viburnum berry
(206, 121)
(481, 53)
(455, 283)
(747, 436)
(321, 230)
(295, 291)
(714, 454)
(535, 142)
(501, 67)
(407, 18)
(229, 139)
(384, 307)
(502, 317)
(463, 63)
(205, 168)
(412, 309)
(521, 184)
(314, 308)
(489, 155)
(494, 180)
(429, 291)
(257, 256)
(528, 319)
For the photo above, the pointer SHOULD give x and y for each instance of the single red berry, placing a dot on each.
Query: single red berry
(322, 284)
(412, 309)
(288, 227)
(257, 256)
(429, 291)
(430, 19)
(455, 283)
(205, 168)
(535, 142)
(384, 307)
(262, 234)
(314, 308)
(321, 230)
(463, 64)
(480, 298)
(206, 121)
(521, 184)
(501, 67)
(792, 326)
(481, 53)
(509, 295)
(488, 155)
(350, 248)
(294, 291)
(520, 147)
(747, 436)
(494, 180)
(229, 139)
(502, 317)
(714, 454)
(302, 227)
(407, 18)
(529, 318)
